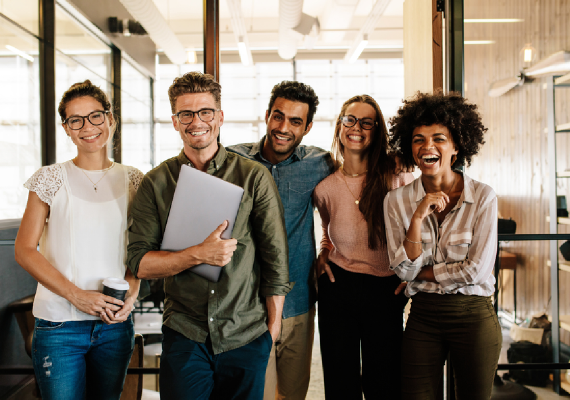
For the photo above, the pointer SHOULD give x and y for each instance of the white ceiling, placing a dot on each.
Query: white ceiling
(339, 27)
(261, 19)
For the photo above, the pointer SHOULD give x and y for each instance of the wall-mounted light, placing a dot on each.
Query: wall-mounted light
(358, 51)
(243, 51)
(20, 53)
(528, 54)
(191, 56)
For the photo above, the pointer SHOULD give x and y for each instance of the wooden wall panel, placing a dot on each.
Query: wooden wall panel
(418, 65)
(514, 160)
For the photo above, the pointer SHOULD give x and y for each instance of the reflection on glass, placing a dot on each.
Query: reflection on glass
(23, 12)
(20, 146)
(136, 136)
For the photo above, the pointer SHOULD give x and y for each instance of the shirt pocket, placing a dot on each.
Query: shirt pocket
(299, 194)
(458, 245)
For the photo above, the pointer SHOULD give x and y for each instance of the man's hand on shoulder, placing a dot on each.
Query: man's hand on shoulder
(215, 250)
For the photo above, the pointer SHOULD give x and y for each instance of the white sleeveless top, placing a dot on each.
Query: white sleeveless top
(85, 235)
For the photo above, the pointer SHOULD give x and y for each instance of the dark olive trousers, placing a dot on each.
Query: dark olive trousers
(467, 328)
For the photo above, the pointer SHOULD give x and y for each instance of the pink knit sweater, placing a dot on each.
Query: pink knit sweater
(345, 232)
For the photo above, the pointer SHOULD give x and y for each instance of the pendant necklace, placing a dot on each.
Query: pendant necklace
(96, 183)
(356, 199)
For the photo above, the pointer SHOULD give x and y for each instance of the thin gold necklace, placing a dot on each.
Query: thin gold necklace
(356, 199)
(353, 175)
(96, 183)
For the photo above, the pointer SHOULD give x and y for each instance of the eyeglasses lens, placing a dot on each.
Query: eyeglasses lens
(349, 121)
(96, 118)
(186, 117)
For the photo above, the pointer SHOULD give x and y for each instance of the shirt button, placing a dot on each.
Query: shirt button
(274, 167)
(211, 319)
(212, 292)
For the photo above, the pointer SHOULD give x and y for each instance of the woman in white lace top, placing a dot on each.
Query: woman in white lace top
(78, 212)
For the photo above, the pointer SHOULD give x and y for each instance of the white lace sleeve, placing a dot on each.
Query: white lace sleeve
(46, 182)
(135, 177)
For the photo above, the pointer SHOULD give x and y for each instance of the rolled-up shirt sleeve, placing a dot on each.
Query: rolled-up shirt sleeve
(482, 251)
(270, 237)
(405, 268)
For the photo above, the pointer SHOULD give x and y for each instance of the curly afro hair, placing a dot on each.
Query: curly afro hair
(450, 110)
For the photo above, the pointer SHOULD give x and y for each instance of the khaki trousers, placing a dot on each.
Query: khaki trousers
(289, 367)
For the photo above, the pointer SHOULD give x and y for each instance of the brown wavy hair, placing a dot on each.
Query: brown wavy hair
(194, 82)
(378, 181)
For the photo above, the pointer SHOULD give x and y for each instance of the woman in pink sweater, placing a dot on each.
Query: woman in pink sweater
(360, 300)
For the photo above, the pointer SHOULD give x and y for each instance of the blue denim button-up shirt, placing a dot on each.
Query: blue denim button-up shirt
(296, 178)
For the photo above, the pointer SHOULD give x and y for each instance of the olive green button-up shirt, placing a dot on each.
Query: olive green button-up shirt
(232, 311)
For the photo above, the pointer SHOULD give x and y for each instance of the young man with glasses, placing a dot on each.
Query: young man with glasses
(297, 169)
(217, 336)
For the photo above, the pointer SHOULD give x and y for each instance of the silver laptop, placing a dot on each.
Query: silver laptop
(201, 203)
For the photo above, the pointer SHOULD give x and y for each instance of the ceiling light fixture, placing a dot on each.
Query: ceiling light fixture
(491, 20)
(243, 51)
(20, 53)
(479, 42)
(361, 46)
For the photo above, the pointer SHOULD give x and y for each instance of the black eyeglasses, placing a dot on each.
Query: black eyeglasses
(77, 122)
(365, 123)
(205, 114)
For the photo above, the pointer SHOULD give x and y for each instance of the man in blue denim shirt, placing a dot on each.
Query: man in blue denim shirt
(297, 169)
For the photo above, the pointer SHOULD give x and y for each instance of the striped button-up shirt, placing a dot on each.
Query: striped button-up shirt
(462, 249)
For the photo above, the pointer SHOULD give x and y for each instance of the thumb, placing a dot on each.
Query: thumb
(221, 228)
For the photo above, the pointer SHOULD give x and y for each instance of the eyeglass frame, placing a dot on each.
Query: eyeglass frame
(65, 122)
(357, 122)
(194, 113)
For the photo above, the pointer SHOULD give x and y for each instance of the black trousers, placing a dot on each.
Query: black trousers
(359, 316)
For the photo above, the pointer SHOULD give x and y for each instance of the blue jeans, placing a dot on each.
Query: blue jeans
(189, 370)
(81, 359)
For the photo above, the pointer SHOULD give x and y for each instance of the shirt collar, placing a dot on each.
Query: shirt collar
(466, 196)
(215, 163)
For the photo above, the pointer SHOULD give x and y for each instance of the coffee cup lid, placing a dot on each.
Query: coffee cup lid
(116, 283)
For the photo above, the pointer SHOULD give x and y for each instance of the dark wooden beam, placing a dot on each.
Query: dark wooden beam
(212, 38)
(455, 65)
(46, 19)
(437, 53)
(116, 82)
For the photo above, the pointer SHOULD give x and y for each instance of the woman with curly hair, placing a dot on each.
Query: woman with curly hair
(360, 304)
(442, 239)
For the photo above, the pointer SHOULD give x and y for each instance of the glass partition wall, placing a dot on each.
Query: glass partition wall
(80, 54)
(20, 143)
